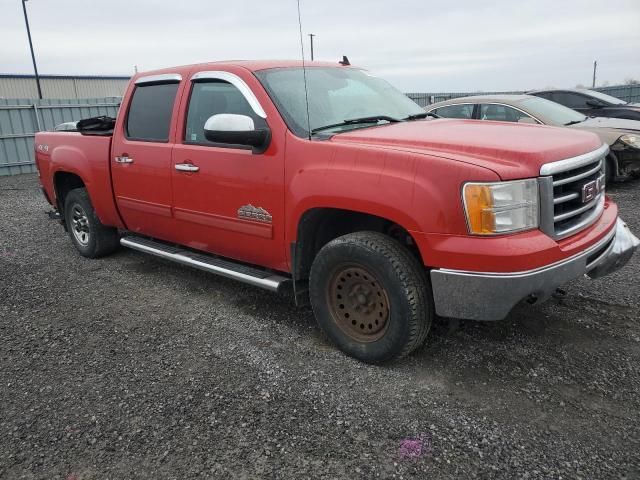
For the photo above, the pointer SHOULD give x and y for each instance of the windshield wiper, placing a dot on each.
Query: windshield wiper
(355, 121)
(418, 116)
(573, 122)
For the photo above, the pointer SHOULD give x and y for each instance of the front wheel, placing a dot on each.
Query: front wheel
(90, 237)
(371, 296)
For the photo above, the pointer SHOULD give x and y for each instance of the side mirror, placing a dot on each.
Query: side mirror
(594, 103)
(232, 129)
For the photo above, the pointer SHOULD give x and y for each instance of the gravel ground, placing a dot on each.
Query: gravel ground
(131, 367)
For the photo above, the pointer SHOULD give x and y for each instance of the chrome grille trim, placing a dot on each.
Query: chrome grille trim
(565, 198)
(583, 223)
(578, 211)
(573, 162)
(561, 187)
(564, 181)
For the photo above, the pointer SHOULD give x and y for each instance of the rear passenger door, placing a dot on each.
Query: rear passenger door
(141, 156)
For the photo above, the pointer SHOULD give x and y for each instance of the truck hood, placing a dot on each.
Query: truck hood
(509, 149)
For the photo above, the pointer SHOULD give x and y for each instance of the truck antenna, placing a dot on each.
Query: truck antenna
(304, 72)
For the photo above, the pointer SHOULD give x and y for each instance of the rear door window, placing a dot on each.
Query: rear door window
(570, 99)
(150, 112)
(455, 111)
(501, 113)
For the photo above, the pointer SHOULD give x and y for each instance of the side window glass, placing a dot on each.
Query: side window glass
(501, 113)
(545, 95)
(210, 98)
(455, 111)
(571, 100)
(150, 112)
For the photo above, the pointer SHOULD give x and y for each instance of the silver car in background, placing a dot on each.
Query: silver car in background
(622, 136)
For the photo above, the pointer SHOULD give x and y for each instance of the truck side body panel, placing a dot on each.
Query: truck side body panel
(409, 173)
(84, 156)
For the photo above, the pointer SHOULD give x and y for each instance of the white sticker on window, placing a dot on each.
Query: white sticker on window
(194, 137)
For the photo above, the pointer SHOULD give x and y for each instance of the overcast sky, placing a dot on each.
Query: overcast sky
(418, 45)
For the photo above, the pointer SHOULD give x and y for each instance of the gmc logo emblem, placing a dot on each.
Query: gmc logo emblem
(591, 190)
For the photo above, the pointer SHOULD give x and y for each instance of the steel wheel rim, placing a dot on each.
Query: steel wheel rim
(358, 303)
(80, 225)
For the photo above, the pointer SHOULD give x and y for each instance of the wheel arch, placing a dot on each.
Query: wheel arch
(317, 226)
(63, 182)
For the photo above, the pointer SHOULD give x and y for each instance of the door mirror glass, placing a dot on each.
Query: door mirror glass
(234, 129)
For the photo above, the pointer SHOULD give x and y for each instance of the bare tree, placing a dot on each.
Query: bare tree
(631, 81)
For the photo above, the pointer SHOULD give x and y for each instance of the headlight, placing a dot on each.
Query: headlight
(501, 207)
(631, 140)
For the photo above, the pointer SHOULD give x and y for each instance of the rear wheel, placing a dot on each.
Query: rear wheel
(90, 237)
(371, 296)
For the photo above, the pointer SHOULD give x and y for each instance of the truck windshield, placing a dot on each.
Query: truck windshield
(336, 95)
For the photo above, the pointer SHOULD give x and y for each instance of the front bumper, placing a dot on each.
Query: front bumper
(491, 296)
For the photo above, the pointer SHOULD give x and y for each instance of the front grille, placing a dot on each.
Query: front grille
(572, 193)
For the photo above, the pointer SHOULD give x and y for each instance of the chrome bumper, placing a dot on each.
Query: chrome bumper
(491, 296)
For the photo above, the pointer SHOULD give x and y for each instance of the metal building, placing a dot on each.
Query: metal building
(62, 86)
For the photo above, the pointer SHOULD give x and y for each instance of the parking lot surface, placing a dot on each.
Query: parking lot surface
(132, 367)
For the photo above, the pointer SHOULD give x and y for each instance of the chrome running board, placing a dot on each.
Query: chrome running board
(208, 263)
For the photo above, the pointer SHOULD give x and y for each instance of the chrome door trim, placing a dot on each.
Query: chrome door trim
(237, 82)
(162, 78)
(123, 159)
(186, 167)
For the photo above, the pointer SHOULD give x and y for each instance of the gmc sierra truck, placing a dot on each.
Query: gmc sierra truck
(326, 182)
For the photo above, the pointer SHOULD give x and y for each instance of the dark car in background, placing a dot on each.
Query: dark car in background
(591, 103)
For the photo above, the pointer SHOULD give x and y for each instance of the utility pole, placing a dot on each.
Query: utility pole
(33, 57)
(595, 66)
(311, 35)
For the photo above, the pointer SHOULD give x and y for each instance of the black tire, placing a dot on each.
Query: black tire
(384, 270)
(88, 235)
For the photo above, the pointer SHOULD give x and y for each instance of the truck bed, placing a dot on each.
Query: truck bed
(86, 156)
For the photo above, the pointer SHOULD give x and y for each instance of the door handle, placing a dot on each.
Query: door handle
(186, 167)
(124, 159)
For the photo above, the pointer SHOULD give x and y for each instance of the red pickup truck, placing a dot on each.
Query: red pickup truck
(330, 184)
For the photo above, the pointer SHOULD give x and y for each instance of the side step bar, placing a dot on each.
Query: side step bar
(226, 268)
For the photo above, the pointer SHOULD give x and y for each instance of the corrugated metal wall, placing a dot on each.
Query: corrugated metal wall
(63, 87)
(628, 93)
(20, 119)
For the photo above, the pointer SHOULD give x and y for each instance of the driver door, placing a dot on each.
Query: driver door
(227, 200)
